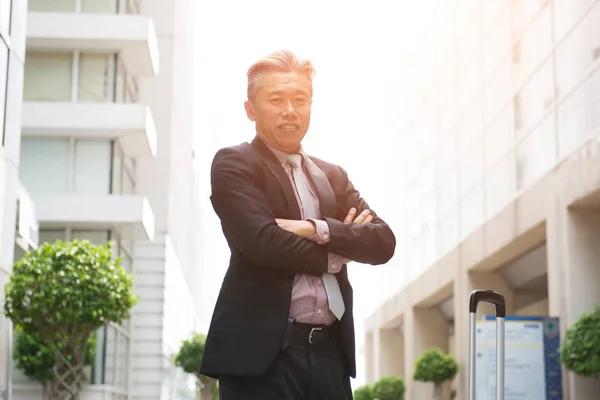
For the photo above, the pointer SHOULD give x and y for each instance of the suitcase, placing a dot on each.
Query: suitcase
(487, 296)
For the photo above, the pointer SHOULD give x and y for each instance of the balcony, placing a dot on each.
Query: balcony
(130, 124)
(133, 37)
(131, 215)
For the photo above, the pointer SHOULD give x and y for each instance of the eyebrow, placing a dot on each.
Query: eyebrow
(277, 92)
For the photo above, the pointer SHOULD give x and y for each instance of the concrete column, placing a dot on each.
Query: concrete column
(370, 358)
(573, 243)
(424, 328)
(388, 346)
(464, 284)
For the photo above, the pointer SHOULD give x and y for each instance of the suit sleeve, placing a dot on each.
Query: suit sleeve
(250, 224)
(372, 243)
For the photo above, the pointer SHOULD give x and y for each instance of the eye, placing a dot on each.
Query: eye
(301, 100)
(275, 100)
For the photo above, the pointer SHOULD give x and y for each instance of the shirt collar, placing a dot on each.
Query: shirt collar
(282, 155)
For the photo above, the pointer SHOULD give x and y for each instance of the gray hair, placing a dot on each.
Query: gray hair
(280, 61)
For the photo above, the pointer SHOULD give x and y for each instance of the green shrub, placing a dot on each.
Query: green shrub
(580, 349)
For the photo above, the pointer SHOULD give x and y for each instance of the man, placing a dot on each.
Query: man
(282, 328)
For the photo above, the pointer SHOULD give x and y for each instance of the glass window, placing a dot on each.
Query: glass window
(448, 232)
(498, 91)
(96, 77)
(122, 361)
(471, 211)
(446, 156)
(48, 76)
(5, 14)
(567, 13)
(491, 12)
(533, 47)
(469, 41)
(52, 5)
(99, 6)
(578, 116)
(427, 177)
(448, 193)
(523, 12)
(471, 168)
(92, 166)
(470, 128)
(95, 237)
(500, 184)
(3, 83)
(469, 84)
(578, 52)
(536, 155)
(52, 235)
(44, 166)
(117, 168)
(500, 138)
(534, 101)
(499, 43)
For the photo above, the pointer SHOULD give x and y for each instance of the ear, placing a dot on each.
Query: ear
(249, 110)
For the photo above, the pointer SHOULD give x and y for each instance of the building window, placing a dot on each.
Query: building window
(99, 6)
(63, 165)
(578, 53)
(48, 76)
(578, 116)
(5, 16)
(3, 84)
(52, 6)
(86, 6)
(68, 76)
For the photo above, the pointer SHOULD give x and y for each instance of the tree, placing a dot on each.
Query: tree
(189, 359)
(580, 349)
(64, 292)
(390, 388)
(364, 392)
(435, 366)
(36, 360)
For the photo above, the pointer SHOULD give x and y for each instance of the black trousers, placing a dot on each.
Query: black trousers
(301, 371)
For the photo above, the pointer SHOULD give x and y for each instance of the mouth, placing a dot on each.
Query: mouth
(289, 127)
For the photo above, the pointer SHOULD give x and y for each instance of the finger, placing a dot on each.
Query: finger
(362, 217)
(368, 219)
(350, 215)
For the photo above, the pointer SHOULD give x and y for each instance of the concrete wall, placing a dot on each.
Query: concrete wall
(561, 210)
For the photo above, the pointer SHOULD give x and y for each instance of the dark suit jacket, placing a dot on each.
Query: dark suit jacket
(249, 190)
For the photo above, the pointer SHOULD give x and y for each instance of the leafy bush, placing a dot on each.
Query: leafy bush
(580, 349)
(364, 393)
(390, 388)
(435, 366)
(36, 360)
(64, 292)
(189, 359)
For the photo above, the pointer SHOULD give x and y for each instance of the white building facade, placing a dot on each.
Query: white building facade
(502, 179)
(13, 19)
(104, 149)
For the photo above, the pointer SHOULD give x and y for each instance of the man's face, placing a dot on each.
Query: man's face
(281, 109)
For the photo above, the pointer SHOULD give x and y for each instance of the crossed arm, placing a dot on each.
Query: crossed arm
(252, 229)
(307, 229)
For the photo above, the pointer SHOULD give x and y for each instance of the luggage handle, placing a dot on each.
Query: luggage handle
(487, 296)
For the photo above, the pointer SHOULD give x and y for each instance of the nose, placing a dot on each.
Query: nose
(290, 112)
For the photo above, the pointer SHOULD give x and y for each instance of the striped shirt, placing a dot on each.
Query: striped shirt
(309, 303)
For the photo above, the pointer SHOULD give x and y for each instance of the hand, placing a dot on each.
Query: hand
(304, 229)
(363, 218)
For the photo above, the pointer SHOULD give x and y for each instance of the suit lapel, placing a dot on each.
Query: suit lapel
(276, 169)
(323, 188)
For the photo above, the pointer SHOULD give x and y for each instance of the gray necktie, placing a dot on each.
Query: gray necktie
(334, 295)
